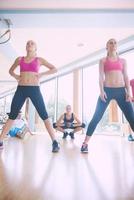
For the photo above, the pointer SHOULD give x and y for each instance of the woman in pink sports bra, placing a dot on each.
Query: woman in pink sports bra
(114, 84)
(28, 87)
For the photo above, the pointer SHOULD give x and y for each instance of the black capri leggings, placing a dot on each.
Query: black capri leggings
(119, 95)
(21, 94)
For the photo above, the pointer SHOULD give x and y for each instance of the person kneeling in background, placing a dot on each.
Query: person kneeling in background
(68, 120)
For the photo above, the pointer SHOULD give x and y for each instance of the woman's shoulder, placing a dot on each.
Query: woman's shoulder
(41, 60)
(123, 60)
(74, 115)
(62, 115)
(18, 59)
(103, 60)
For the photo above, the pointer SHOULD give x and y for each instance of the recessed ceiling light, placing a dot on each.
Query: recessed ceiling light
(80, 44)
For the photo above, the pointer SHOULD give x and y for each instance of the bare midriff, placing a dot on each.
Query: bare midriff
(114, 79)
(29, 79)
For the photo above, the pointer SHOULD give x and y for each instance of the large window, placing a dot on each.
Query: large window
(90, 91)
(48, 90)
(129, 57)
(4, 109)
(65, 93)
(130, 63)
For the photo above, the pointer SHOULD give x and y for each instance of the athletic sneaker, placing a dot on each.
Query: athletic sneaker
(84, 148)
(130, 138)
(65, 134)
(71, 135)
(55, 146)
(1, 145)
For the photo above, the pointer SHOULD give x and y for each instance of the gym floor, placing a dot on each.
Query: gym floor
(30, 171)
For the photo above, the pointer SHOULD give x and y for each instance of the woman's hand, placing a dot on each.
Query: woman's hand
(103, 96)
(17, 77)
(128, 97)
(39, 75)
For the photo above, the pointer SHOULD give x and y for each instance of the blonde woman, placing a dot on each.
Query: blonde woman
(114, 84)
(28, 87)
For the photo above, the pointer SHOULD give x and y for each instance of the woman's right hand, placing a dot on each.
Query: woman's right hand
(103, 96)
(38, 76)
(17, 77)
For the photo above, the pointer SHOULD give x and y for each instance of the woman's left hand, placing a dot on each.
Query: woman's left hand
(38, 76)
(128, 97)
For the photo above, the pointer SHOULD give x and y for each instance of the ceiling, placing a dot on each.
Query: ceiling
(65, 35)
(67, 4)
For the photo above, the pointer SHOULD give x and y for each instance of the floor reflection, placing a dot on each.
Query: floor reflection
(29, 170)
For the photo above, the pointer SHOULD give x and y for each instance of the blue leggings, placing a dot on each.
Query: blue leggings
(21, 94)
(119, 95)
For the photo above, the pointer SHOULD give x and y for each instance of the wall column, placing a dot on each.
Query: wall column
(75, 92)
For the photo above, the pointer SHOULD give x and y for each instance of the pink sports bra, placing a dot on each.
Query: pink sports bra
(113, 65)
(33, 66)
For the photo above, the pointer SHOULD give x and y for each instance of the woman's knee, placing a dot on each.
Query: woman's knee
(43, 116)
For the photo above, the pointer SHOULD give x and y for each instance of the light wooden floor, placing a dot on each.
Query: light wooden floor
(29, 171)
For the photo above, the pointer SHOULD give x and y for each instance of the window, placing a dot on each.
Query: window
(48, 90)
(65, 92)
